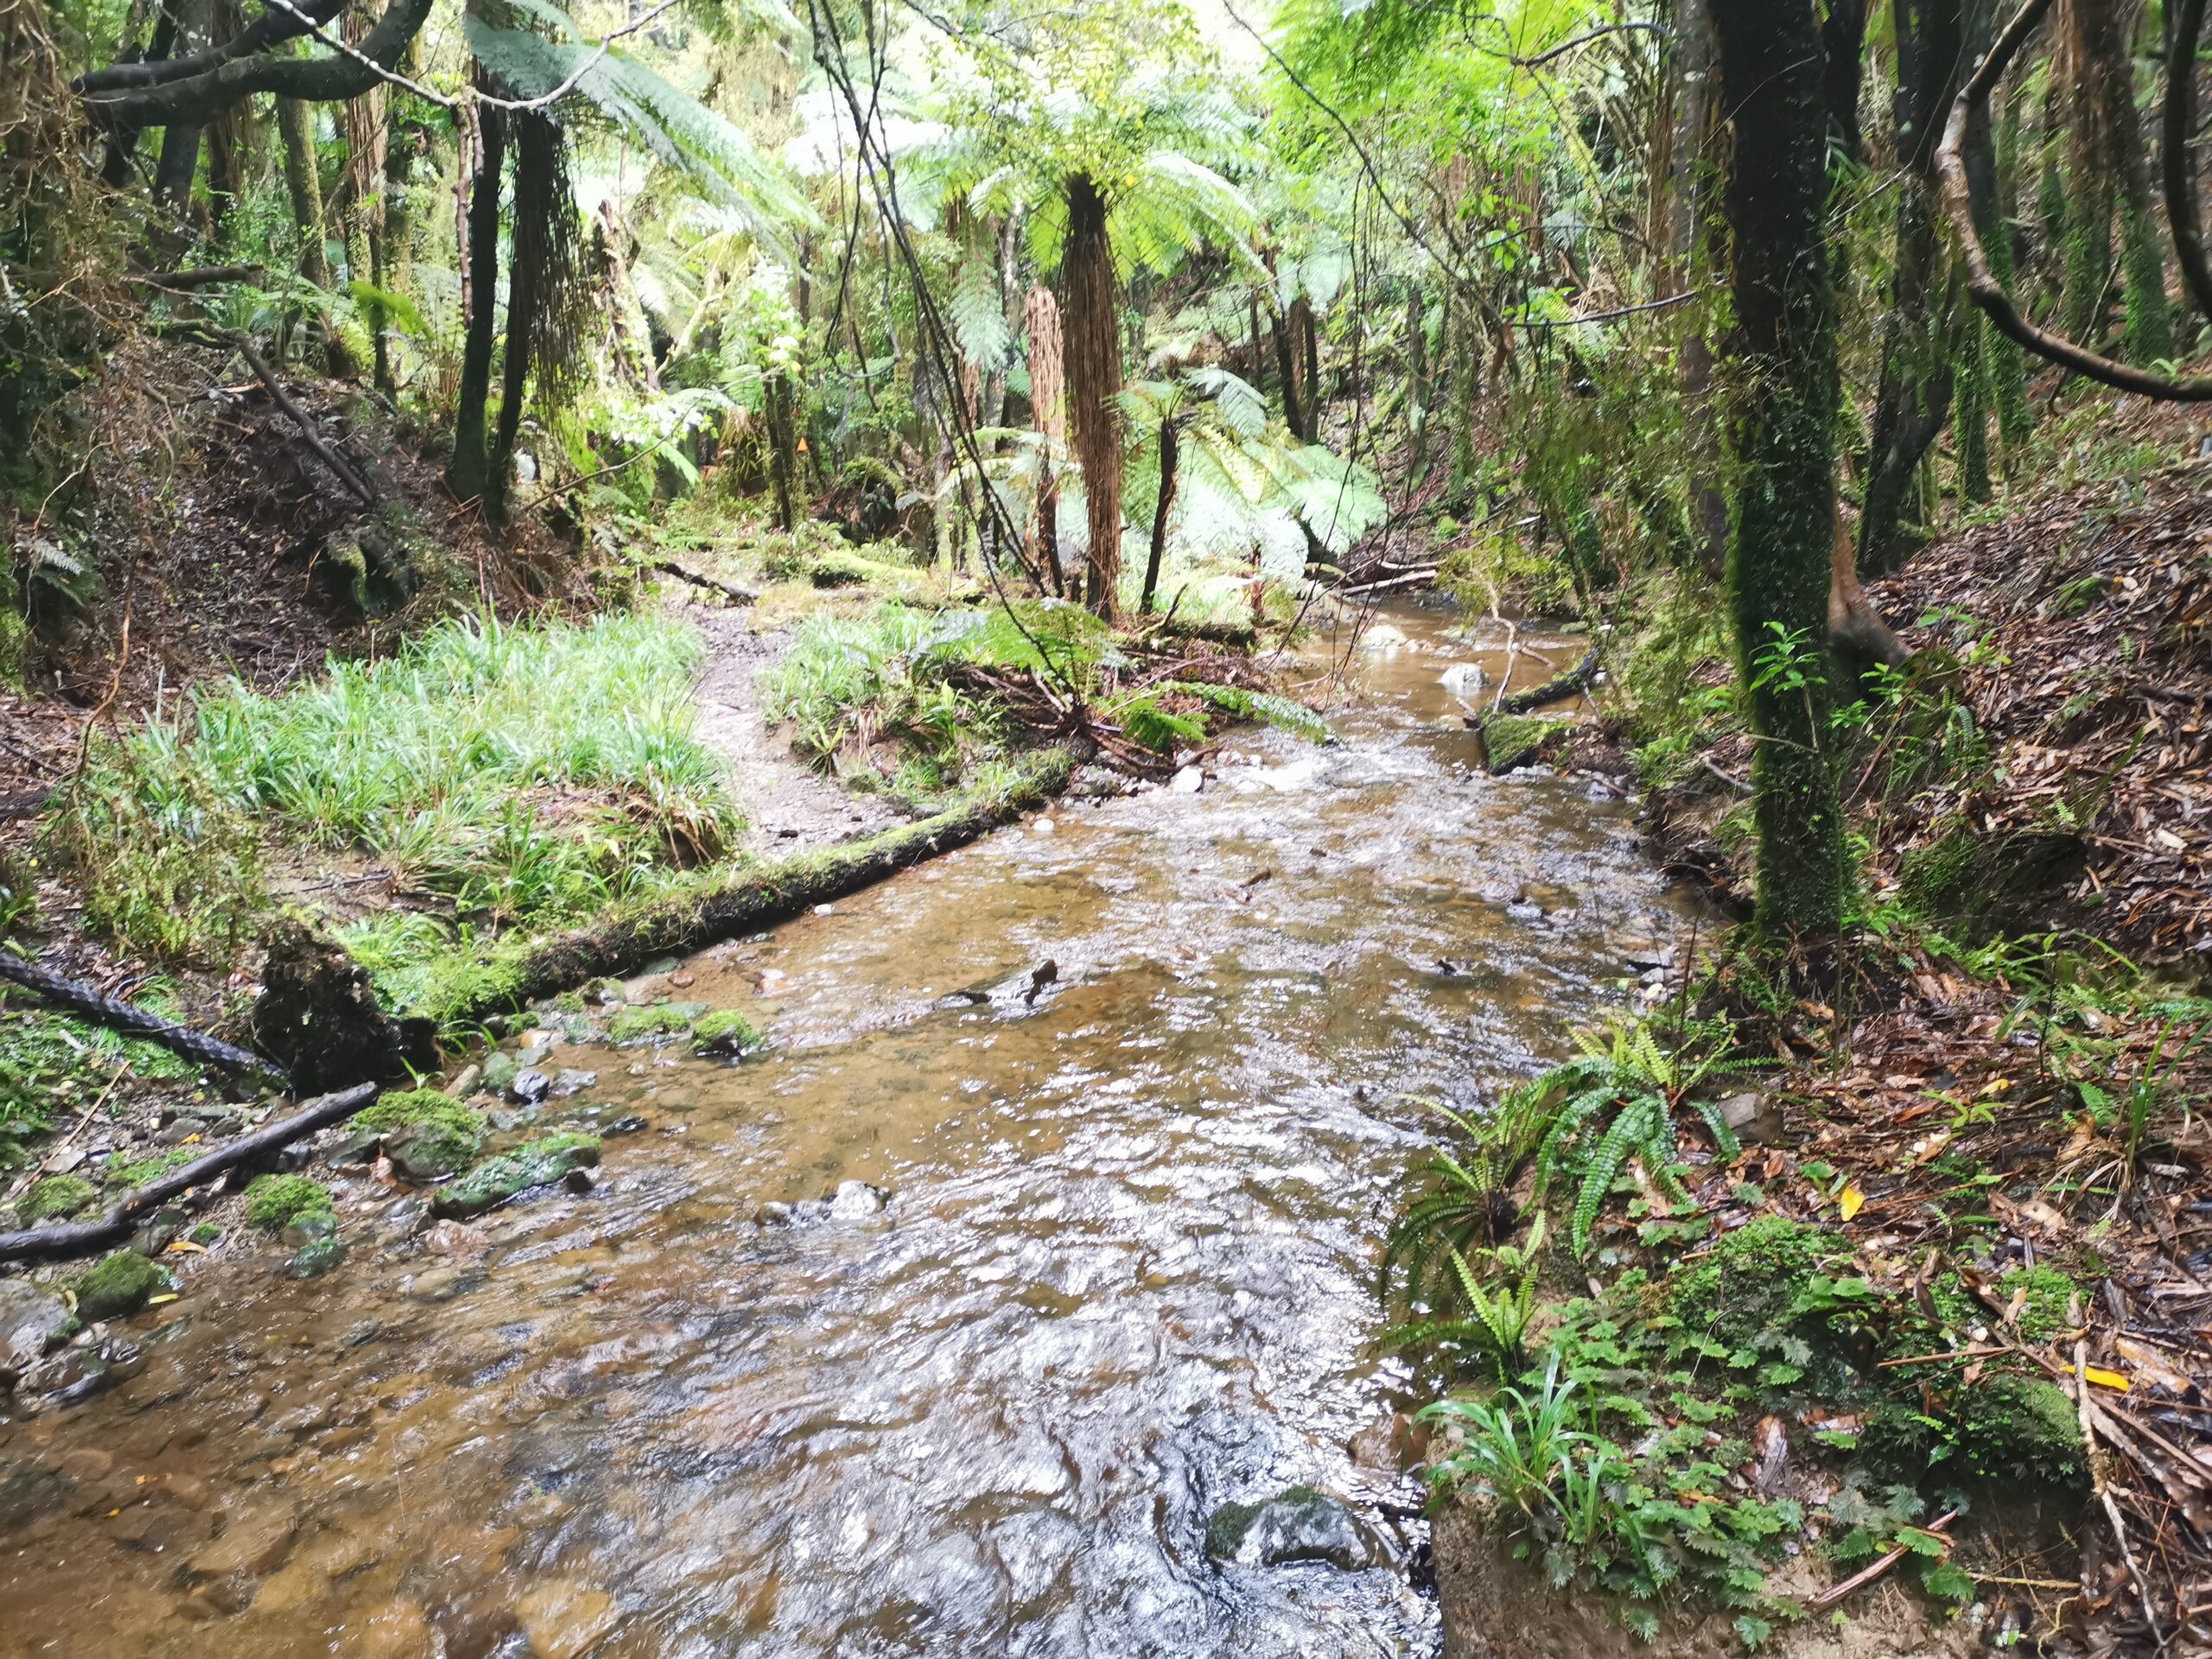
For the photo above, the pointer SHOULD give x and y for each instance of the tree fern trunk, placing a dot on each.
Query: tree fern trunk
(1048, 408)
(1093, 347)
(1169, 444)
(471, 469)
(1778, 563)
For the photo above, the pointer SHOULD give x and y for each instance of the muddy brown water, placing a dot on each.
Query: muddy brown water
(1123, 1275)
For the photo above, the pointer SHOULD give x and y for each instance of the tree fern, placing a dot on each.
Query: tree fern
(1264, 706)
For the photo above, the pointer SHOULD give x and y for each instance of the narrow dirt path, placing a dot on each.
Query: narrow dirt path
(788, 807)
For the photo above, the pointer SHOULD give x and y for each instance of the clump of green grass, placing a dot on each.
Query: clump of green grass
(274, 1202)
(149, 1169)
(533, 771)
(53, 1061)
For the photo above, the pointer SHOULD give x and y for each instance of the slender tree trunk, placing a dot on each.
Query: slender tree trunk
(470, 475)
(1048, 408)
(1779, 562)
(1914, 400)
(783, 450)
(1424, 394)
(295, 131)
(1697, 84)
(1293, 409)
(1093, 346)
(1466, 390)
(1309, 387)
(122, 142)
(388, 239)
(1843, 38)
(1170, 442)
(537, 175)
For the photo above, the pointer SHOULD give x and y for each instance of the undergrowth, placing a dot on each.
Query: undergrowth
(520, 771)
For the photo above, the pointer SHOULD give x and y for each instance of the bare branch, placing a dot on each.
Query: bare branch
(1988, 293)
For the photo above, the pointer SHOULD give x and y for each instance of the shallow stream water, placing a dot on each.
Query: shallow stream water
(1123, 1275)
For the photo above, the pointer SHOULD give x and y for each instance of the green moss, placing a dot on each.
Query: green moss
(645, 1025)
(116, 1285)
(1751, 1282)
(568, 1002)
(723, 1032)
(407, 1107)
(1510, 741)
(151, 1169)
(1985, 883)
(56, 1195)
(272, 1201)
(2019, 1428)
(495, 1180)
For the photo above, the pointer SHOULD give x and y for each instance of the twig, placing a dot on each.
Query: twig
(1866, 1576)
(2098, 1476)
(1740, 785)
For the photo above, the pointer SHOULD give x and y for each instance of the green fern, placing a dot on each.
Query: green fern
(1264, 706)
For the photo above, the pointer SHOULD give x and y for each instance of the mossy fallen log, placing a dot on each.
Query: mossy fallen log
(515, 971)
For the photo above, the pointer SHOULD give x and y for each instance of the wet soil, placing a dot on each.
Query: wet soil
(1110, 1267)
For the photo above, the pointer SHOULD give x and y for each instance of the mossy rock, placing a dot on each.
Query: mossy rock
(118, 1285)
(426, 1134)
(1748, 1286)
(1511, 741)
(662, 1023)
(491, 1183)
(274, 1201)
(316, 1257)
(723, 1032)
(57, 1197)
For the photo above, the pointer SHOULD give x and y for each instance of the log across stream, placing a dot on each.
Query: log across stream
(1110, 1269)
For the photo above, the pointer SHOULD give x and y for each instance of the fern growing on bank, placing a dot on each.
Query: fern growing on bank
(1616, 1102)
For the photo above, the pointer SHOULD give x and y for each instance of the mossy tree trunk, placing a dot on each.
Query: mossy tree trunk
(471, 469)
(1917, 382)
(1048, 408)
(1163, 509)
(1091, 339)
(1784, 432)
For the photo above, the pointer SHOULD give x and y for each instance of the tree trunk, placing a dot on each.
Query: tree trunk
(470, 472)
(1170, 441)
(1293, 410)
(1779, 562)
(1696, 84)
(295, 128)
(1914, 400)
(1048, 408)
(123, 139)
(1466, 390)
(536, 174)
(180, 158)
(783, 449)
(388, 239)
(1309, 388)
(1259, 363)
(1843, 37)
(1092, 342)
(1417, 371)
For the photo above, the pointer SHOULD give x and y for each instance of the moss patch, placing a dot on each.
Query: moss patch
(57, 1196)
(724, 1032)
(116, 1285)
(496, 1181)
(1510, 741)
(274, 1201)
(668, 1019)
(151, 1169)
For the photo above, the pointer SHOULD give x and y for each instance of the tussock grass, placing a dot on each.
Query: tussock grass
(521, 772)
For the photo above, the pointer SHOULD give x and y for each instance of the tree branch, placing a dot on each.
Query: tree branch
(272, 28)
(1988, 293)
(200, 98)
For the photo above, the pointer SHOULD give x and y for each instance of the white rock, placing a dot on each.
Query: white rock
(1042, 827)
(855, 1201)
(1189, 781)
(825, 910)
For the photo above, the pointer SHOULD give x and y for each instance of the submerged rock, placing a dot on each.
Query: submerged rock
(857, 1201)
(316, 1257)
(31, 1321)
(491, 1183)
(1299, 1524)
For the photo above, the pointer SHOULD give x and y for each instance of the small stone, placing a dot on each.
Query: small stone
(1754, 1117)
(825, 910)
(631, 1125)
(435, 1285)
(454, 1239)
(680, 982)
(491, 1183)
(1299, 1524)
(774, 1213)
(569, 1082)
(499, 1069)
(1042, 826)
(1189, 781)
(316, 1258)
(530, 1086)
(188, 1490)
(855, 1201)
(304, 1229)
(465, 1084)
(31, 1321)
(1524, 912)
(256, 1544)
(579, 1182)
(531, 1054)
(86, 1463)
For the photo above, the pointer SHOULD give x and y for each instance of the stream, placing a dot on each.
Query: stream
(1121, 1273)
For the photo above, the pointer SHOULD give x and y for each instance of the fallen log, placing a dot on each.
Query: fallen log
(139, 1022)
(751, 901)
(68, 1239)
(730, 591)
(1555, 689)
(199, 276)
